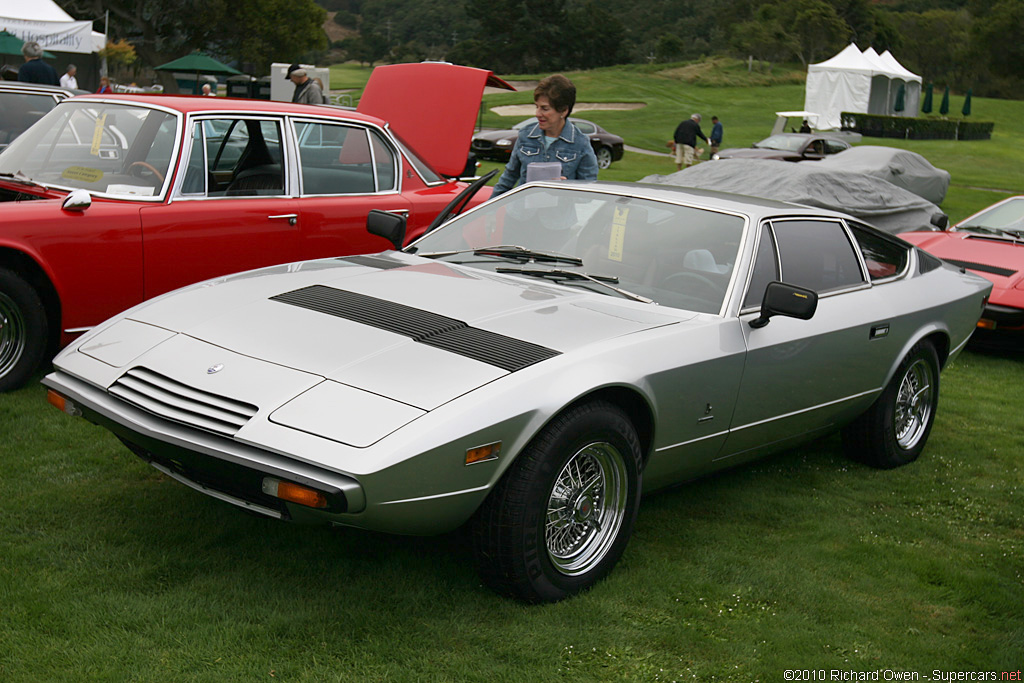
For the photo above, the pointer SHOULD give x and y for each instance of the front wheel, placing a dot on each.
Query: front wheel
(604, 158)
(561, 517)
(895, 428)
(23, 331)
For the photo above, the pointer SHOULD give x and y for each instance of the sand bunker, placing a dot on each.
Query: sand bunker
(527, 109)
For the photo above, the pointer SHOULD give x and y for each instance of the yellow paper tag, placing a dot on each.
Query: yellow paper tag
(618, 236)
(82, 173)
(97, 134)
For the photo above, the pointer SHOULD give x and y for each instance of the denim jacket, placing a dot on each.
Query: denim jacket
(572, 148)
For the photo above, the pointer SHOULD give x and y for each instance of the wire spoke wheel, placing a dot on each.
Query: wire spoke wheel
(585, 509)
(913, 404)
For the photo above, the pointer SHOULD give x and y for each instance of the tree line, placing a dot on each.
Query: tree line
(963, 43)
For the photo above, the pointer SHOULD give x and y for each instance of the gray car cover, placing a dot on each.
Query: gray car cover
(903, 168)
(873, 200)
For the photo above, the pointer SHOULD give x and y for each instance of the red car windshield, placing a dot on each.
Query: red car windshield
(113, 149)
(1003, 218)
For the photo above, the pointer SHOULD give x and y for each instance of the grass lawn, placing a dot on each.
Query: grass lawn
(110, 571)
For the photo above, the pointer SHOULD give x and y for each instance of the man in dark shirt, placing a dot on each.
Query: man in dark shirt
(685, 138)
(35, 70)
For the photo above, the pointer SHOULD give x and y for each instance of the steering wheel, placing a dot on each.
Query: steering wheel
(693, 284)
(149, 167)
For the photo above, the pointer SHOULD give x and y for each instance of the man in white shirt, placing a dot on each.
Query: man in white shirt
(68, 80)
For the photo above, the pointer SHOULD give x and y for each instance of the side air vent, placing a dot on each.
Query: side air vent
(172, 400)
(428, 328)
(981, 267)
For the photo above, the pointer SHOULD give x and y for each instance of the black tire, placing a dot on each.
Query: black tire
(894, 430)
(561, 516)
(604, 157)
(23, 331)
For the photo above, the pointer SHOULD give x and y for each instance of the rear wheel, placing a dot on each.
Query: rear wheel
(604, 158)
(561, 517)
(23, 330)
(894, 430)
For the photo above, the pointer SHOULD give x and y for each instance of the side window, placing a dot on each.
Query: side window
(883, 257)
(585, 128)
(336, 159)
(243, 158)
(766, 269)
(195, 174)
(817, 255)
(18, 111)
(384, 162)
(834, 146)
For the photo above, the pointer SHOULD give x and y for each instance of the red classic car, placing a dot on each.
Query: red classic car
(991, 244)
(111, 200)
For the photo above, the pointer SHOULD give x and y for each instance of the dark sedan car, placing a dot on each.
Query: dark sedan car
(788, 147)
(22, 104)
(497, 144)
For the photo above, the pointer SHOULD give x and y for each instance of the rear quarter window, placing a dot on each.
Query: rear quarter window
(884, 257)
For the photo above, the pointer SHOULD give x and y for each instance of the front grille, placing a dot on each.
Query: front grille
(483, 145)
(172, 400)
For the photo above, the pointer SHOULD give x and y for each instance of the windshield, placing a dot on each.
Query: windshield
(677, 256)
(1005, 217)
(115, 149)
(785, 143)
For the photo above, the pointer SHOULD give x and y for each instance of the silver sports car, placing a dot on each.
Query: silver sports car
(532, 367)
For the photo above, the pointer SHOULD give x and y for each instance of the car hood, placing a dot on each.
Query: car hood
(999, 261)
(495, 135)
(421, 100)
(751, 153)
(410, 329)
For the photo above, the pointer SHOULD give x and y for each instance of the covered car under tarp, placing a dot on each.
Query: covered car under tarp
(876, 201)
(901, 167)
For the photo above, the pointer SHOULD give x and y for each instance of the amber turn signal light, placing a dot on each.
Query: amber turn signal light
(61, 403)
(294, 493)
(984, 324)
(482, 453)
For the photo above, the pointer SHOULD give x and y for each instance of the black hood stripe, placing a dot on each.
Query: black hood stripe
(981, 267)
(424, 327)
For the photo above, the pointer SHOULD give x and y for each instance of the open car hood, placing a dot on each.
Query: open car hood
(432, 106)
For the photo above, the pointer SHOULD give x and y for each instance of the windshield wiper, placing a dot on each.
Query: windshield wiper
(20, 177)
(513, 251)
(557, 274)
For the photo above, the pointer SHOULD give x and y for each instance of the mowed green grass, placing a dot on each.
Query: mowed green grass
(110, 571)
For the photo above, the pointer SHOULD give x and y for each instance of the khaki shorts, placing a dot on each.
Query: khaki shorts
(683, 154)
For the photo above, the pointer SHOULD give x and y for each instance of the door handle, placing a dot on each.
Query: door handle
(879, 331)
(293, 218)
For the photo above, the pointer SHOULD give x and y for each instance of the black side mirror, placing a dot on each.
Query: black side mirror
(940, 221)
(390, 226)
(787, 300)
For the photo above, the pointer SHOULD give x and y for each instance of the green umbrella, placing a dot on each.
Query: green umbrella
(10, 44)
(944, 107)
(198, 63)
(926, 107)
(901, 94)
(967, 104)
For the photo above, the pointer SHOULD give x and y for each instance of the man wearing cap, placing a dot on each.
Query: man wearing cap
(306, 91)
(35, 70)
(685, 138)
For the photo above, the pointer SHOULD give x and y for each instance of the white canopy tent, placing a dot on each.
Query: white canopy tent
(863, 82)
(46, 23)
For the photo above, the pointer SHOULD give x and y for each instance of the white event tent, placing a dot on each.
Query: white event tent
(57, 31)
(862, 82)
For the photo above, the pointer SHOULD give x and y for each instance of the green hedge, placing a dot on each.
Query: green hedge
(910, 128)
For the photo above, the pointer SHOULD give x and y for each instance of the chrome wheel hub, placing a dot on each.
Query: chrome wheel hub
(12, 334)
(913, 405)
(586, 508)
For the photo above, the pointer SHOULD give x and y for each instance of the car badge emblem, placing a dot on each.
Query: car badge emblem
(214, 368)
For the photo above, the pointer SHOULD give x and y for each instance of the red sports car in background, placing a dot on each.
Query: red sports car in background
(991, 244)
(111, 200)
